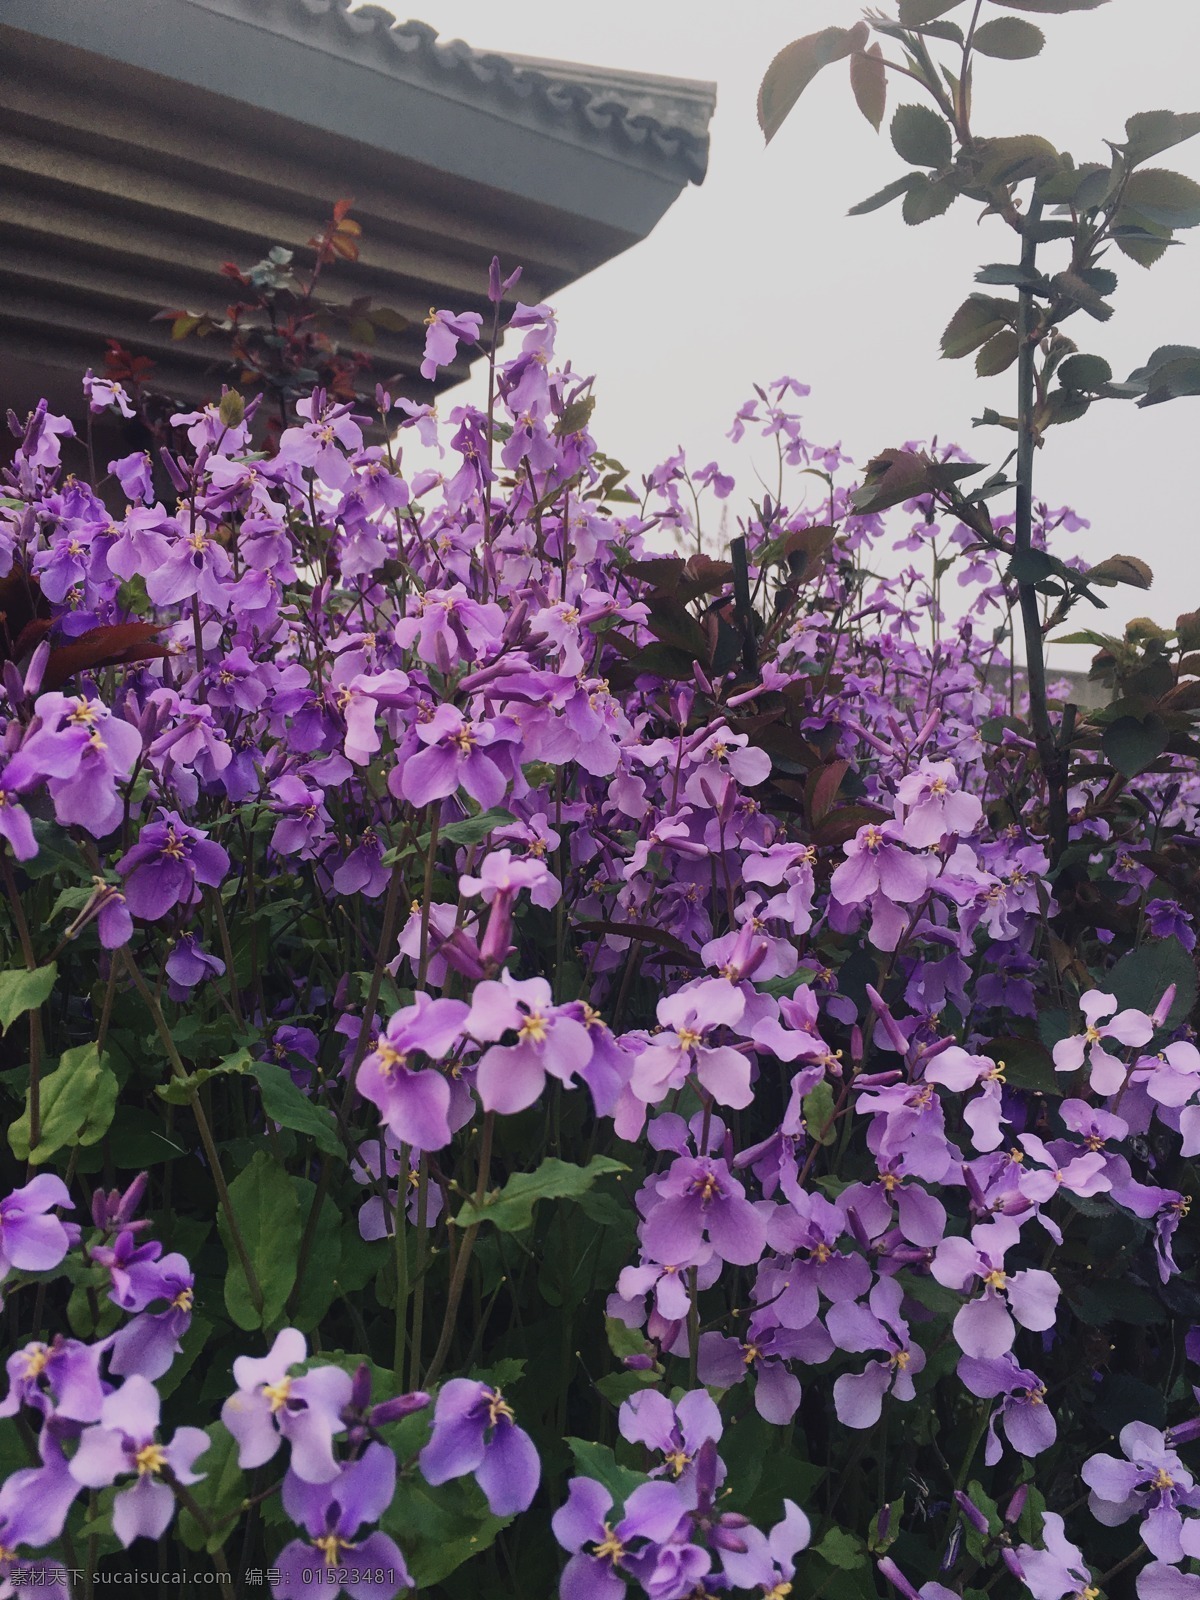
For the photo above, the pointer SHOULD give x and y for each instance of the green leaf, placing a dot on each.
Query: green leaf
(1149, 133)
(220, 1492)
(886, 195)
(928, 198)
(22, 991)
(1009, 39)
(474, 830)
(1142, 976)
(1166, 198)
(597, 1461)
(268, 1218)
(180, 1091)
(1121, 569)
(976, 320)
(1088, 373)
(284, 1103)
(1132, 743)
(914, 13)
(921, 137)
(1055, 8)
(819, 1108)
(77, 1101)
(998, 354)
(575, 417)
(1013, 159)
(1027, 1064)
(842, 1549)
(868, 80)
(795, 67)
(511, 1209)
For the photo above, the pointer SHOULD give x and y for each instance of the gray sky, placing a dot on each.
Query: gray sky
(760, 272)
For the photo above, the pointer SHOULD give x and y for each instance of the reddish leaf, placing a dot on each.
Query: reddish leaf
(107, 646)
(825, 784)
(868, 79)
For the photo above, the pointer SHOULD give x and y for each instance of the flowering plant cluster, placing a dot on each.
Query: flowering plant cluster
(535, 1062)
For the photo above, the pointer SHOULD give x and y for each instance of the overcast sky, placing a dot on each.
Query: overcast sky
(760, 272)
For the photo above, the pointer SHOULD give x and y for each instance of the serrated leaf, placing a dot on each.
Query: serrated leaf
(268, 1217)
(886, 195)
(1121, 569)
(927, 199)
(795, 67)
(921, 137)
(1009, 39)
(998, 354)
(1149, 133)
(1014, 159)
(23, 990)
(1090, 373)
(511, 1208)
(868, 81)
(1167, 198)
(1057, 8)
(285, 1104)
(974, 323)
(913, 13)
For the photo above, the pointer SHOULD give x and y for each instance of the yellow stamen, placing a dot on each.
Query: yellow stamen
(277, 1393)
(150, 1458)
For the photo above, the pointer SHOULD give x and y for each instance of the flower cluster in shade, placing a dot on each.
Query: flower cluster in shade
(453, 673)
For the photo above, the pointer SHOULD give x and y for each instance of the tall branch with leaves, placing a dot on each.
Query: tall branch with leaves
(1081, 212)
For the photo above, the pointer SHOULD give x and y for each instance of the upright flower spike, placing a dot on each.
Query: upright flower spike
(474, 1432)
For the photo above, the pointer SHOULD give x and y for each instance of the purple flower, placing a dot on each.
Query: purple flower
(30, 1239)
(189, 964)
(934, 805)
(474, 1431)
(1151, 1480)
(165, 866)
(768, 1561)
(549, 1041)
(445, 329)
(1057, 1570)
(700, 1198)
(984, 1327)
(60, 1379)
(123, 1442)
(456, 755)
(877, 863)
(691, 1015)
(271, 1406)
(414, 1104)
(1130, 1028)
(331, 1514)
(1028, 1420)
(676, 1431)
(84, 750)
(34, 1502)
(858, 1396)
(601, 1549)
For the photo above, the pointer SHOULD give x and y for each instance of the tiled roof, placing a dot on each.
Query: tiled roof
(664, 119)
